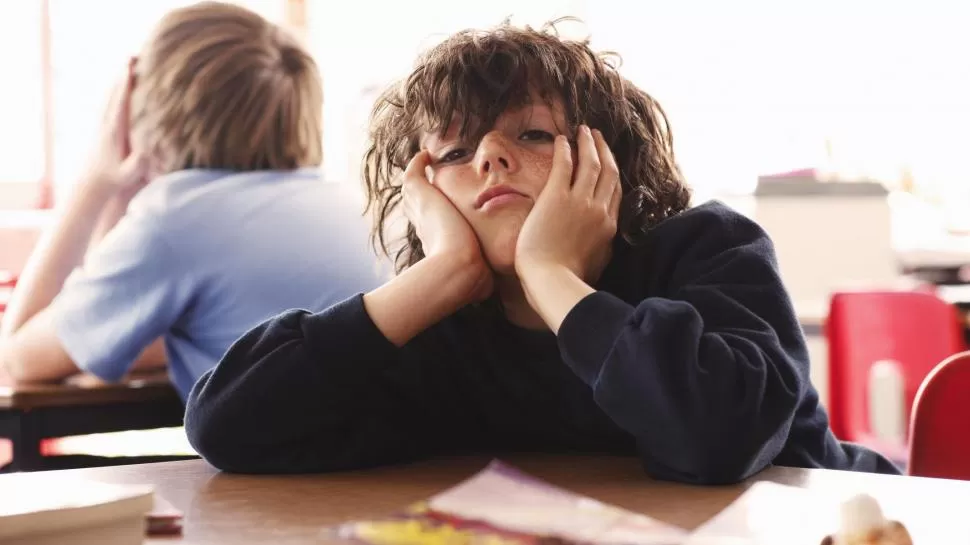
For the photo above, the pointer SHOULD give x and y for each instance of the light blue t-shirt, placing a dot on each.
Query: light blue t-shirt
(201, 257)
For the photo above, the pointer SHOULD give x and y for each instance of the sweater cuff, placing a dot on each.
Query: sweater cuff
(590, 330)
(348, 320)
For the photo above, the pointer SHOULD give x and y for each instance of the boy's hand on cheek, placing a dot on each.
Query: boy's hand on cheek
(574, 219)
(452, 274)
(444, 232)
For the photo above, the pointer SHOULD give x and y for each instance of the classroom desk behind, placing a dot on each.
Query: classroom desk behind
(239, 509)
(29, 414)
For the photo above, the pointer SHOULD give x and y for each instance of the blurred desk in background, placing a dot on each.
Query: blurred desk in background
(30, 414)
(945, 264)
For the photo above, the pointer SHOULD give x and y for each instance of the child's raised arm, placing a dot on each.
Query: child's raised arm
(708, 375)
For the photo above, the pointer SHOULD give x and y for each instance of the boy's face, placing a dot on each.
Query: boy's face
(495, 181)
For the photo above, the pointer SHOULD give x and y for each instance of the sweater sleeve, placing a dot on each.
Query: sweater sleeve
(707, 375)
(307, 393)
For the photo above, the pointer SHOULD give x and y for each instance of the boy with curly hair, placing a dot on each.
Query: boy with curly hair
(555, 293)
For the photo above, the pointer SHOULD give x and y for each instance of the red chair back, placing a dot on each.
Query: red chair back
(939, 436)
(914, 328)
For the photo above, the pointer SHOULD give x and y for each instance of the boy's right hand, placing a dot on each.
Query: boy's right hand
(443, 231)
(452, 274)
(114, 164)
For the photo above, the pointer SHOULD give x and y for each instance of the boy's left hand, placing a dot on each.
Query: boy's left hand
(574, 220)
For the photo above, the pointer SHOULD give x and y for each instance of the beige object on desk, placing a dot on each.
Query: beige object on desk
(73, 512)
(863, 523)
(769, 513)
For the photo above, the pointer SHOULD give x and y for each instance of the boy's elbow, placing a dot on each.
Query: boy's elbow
(227, 441)
(211, 437)
(221, 458)
(742, 452)
(732, 467)
(33, 356)
(13, 364)
(213, 444)
(726, 453)
(737, 444)
(710, 468)
(13, 370)
(236, 452)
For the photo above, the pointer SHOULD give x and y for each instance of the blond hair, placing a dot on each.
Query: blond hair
(221, 87)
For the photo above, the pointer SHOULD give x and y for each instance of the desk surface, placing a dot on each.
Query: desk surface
(239, 509)
(151, 387)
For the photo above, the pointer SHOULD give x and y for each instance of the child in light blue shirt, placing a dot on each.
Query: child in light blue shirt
(201, 257)
(203, 212)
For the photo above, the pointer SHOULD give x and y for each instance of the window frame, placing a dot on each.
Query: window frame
(42, 187)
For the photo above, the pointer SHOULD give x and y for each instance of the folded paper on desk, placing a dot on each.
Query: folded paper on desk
(503, 506)
(48, 510)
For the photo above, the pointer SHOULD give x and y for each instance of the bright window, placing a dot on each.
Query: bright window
(866, 88)
(21, 103)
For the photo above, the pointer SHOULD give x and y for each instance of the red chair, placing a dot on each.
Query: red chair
(914, 329)
(939, 435)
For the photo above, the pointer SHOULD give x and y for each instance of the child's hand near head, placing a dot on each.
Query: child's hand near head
(442, 229)
(566, 241)
(575, 217)
(114, 164)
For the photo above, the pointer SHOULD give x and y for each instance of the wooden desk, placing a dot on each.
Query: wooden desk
(29, 414)
(239, 509)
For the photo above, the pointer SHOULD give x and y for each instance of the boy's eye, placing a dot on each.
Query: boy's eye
(454, 155)
(536, 135)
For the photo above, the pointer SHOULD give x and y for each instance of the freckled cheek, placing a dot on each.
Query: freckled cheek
(538, 167)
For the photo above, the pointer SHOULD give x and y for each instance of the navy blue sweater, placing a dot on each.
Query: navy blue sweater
(688, 355)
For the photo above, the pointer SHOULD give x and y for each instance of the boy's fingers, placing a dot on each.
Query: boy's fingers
(561, 174)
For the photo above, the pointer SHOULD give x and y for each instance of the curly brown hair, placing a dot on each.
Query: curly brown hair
(474, 76)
